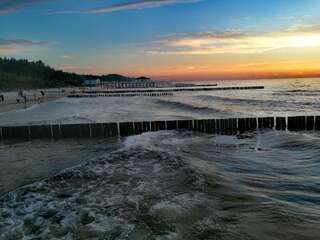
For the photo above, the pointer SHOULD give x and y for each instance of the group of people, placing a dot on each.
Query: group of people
(22, 96)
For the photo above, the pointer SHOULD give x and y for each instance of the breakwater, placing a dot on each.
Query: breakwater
(121, 95)
(228, 126)
(175, 89)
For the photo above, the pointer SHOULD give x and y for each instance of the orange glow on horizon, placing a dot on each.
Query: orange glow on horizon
(286, 69)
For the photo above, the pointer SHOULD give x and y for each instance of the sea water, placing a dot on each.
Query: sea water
(168, 184)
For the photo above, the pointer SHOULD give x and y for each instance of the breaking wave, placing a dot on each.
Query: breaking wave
(187, 106)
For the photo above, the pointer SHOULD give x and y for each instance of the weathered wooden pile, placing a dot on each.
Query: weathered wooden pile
(174, 89)
(120, 95)
(226, 126)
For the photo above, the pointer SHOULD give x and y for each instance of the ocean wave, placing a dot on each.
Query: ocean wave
(188, 106)
(274, 104)
(242, 101)
(293, 141)
(298, 92)
(133, 193)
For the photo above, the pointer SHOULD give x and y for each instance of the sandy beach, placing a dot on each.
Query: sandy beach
(33, 97)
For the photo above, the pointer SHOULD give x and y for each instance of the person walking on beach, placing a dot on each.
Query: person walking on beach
(1, 98)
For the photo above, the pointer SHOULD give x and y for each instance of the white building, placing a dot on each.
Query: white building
(92, 82)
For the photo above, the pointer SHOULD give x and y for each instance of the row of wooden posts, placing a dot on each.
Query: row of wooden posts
(174, 89)
(213, 126)
(136, 84)
(120, 95)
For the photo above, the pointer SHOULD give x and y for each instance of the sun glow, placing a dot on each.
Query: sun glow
(304, 41)
(237, 42)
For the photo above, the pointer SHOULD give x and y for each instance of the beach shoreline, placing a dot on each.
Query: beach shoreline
(33, 97)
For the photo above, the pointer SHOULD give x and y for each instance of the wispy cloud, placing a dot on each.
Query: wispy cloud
(131, 5)
(16, 45)
(23, 42)
(141, 4)
(238, 42)
(67, 57)
(10, 6)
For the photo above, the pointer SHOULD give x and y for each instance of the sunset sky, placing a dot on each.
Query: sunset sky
(167, 39)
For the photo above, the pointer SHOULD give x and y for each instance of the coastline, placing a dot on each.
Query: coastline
(33, 97)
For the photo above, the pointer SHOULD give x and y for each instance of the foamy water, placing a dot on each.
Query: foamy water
(280, 97)
(25, 162)
(169, 184)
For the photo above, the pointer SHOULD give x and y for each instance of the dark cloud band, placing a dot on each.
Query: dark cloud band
(9, 6)
(21, 42)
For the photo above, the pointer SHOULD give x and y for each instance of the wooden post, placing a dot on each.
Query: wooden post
(40, 131)
(241, 125)
(126, 129)
(310, 122)
(15, 132)
(317, 123)
(97, 130)
(281, 123)
(138, 126)
(171, 125)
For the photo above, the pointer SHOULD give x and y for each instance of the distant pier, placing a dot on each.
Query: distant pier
(227, 126)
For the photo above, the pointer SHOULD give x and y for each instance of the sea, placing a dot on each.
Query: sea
(177, 185)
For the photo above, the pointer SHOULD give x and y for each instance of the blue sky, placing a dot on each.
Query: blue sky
(161, 38)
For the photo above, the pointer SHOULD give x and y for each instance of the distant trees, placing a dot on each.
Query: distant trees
(109, 77)
(25, 74)
(115, 78)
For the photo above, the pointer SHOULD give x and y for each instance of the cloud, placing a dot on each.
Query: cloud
(10, 6)
(140, 4)
(238, 42)
(132, 5)
(16, 45)
(67, 57)
(23, 42)
(304, 28)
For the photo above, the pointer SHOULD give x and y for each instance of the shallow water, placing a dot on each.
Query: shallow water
(169, 184)
(280, 97)
(179, 185)
(27, 161)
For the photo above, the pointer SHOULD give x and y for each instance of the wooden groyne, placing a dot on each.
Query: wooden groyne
(120, 95)
(175, 89)
(226, 126)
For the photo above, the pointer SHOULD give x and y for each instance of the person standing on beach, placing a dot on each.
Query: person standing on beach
(1, 98)
(42, 95)
(25, 100)
(20, 93)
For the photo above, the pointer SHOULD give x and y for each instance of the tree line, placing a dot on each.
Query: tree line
(17, 74)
